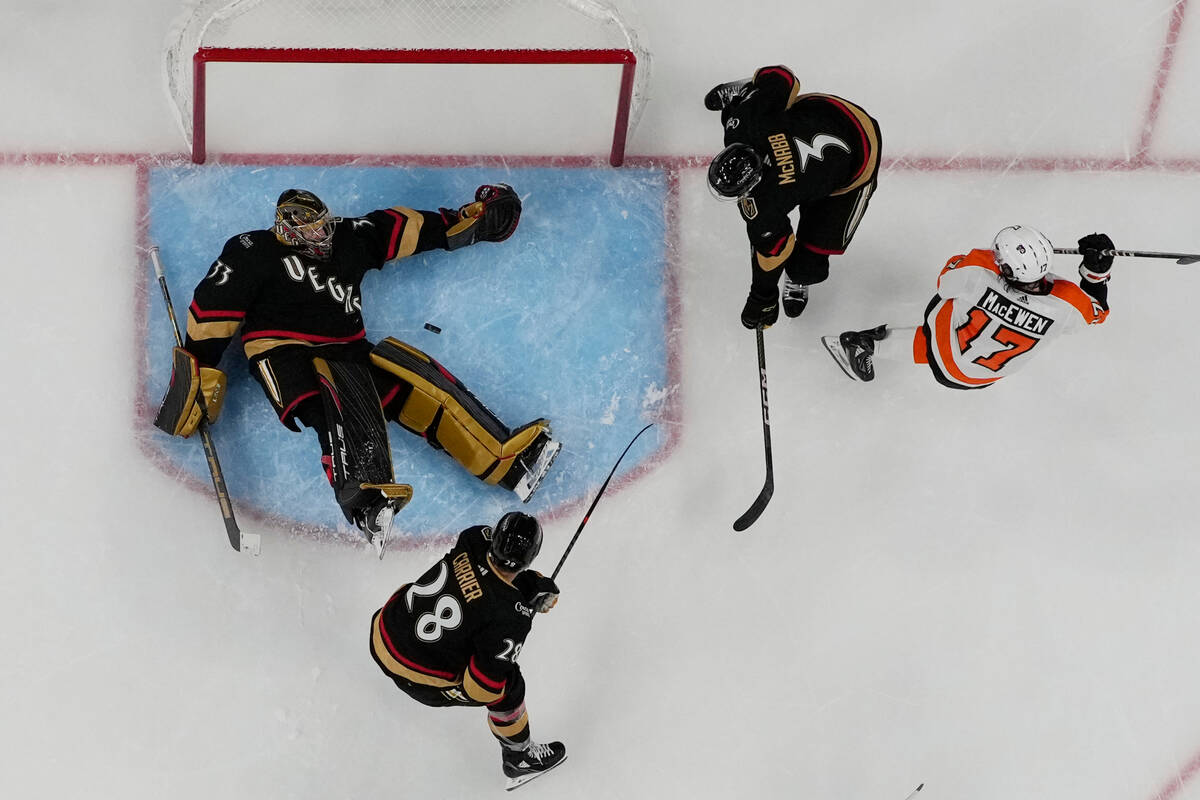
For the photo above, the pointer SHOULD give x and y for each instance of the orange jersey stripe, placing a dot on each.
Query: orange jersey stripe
(1070, 292)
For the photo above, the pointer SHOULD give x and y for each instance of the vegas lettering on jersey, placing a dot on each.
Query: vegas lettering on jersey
(343, 295)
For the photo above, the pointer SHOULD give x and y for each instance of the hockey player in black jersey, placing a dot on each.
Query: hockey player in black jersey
(452, 637)
(786, 151)
(293, 291)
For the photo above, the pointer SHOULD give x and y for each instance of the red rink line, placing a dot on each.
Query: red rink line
(1160, 79)
(915, 163)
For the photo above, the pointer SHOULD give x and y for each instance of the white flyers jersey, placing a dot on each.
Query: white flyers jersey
(980, 328)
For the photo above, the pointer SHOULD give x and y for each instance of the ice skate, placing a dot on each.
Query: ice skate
(795, 298)
(532, 464)
(522, 766)
(375, 520)
(854, 351)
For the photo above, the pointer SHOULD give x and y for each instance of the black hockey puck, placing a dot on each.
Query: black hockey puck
(429, 326)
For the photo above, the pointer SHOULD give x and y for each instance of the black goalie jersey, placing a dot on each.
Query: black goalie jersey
(278, 295)
(458, 625)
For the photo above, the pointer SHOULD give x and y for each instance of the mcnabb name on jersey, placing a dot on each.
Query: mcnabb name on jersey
(1015, 314)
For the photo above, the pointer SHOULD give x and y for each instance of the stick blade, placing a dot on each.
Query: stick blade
(756, 508)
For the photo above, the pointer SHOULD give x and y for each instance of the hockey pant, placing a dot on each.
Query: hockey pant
(507, 717)
(825, 229)
(425, 398)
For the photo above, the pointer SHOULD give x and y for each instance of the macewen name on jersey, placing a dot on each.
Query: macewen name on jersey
(1014, 313)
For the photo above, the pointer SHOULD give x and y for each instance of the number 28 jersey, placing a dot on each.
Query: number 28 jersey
(980, 328)
(459, 624)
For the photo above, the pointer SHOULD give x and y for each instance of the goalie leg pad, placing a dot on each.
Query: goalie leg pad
(441, 409)
(360, 452)
(182, 408)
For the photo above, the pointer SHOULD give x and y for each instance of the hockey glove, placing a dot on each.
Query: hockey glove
(1095, 266)
(721, 97)
(541, 593)
(181, 410)
(760, 311)
(491, 217)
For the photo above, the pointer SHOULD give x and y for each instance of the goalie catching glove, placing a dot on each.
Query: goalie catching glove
(182, 409)
(491, 217)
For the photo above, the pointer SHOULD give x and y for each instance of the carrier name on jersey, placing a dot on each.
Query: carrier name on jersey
(464, 573)
(1014, 314)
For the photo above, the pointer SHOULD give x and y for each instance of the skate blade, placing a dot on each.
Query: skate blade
(834, 346)
(521, 780)
(533, 478)
(379, 541)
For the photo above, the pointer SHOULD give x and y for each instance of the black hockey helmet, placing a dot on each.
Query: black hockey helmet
(516, 540)
(735, 171)
(302, 220)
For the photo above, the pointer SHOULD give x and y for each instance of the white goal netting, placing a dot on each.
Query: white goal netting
(552, 25)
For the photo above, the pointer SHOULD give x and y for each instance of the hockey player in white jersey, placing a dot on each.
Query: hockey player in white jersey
(993, 310)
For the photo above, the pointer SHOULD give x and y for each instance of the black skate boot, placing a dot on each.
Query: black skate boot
(375, 519)
(854, 351)
(795, 298)
(721, 96)
(522, 766)
(533, 463)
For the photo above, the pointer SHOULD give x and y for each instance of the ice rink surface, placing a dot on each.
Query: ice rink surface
(992, 593)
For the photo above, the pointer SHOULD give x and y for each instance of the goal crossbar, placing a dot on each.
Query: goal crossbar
(340, 55)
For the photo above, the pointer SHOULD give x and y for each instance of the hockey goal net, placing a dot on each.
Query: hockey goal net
(484, 36)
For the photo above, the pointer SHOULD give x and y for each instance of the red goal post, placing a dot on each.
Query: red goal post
(405, 32)
(625, 58)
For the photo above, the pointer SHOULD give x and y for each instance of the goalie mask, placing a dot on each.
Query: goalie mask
(516, 540)
(1022, 254)
(735, 172)
(303, 221)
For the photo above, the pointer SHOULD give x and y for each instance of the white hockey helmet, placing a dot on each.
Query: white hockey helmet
(1022, 254)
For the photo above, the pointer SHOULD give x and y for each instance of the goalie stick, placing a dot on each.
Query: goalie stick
(599, 494)
(760, 503)
(1180, 258)
(242, 542)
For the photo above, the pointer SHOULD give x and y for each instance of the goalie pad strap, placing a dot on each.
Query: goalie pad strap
(181, 410)
(439, 407)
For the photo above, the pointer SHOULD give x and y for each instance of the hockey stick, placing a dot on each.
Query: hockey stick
(1180, 258)
(242, 542)
(764, 497)
(599, 494)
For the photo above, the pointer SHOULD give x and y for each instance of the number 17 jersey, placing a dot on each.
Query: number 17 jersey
(980, 328)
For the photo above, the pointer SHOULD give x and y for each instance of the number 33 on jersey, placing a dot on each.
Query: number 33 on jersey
(980, 328)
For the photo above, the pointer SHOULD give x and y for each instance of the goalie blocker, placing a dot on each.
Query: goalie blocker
(182, 409)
